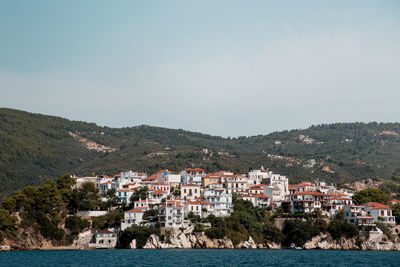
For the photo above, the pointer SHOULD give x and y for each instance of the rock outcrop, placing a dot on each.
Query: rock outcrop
(189, 239)
(325, 241)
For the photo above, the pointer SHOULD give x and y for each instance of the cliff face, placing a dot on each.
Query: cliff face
(190, 239)
(27, 240)
(325, 241)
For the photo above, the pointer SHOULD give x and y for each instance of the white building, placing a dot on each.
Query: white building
(133, 217)
(191, 191)
(369, 214)
(235, 183)
(220, 200)
(256, 177)
(193, 176)
(306, 201)
(172, 215)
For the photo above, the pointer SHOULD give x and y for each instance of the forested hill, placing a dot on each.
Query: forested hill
(35, 147)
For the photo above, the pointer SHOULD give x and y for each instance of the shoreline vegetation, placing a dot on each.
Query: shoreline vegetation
(44, 218)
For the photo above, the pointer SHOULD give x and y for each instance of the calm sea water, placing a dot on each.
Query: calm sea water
(201, 257)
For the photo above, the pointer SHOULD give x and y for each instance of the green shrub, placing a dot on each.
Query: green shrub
(339, 228)
(75, 224)
(298, 232)
(140, 233)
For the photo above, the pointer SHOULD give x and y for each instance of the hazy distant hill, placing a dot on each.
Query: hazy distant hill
(34, 147)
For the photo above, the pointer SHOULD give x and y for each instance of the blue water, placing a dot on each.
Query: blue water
(200, 257)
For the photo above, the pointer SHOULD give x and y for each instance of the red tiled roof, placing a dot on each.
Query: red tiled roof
(311, 193)
(136, 210)
(377, 206)
(104, 232)
(190, 185)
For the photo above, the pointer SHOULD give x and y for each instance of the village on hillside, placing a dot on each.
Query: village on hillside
(176, 197)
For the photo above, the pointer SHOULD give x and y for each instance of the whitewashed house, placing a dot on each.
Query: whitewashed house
(220, 200)
(172, 215)
(191, 191)
(193, 176)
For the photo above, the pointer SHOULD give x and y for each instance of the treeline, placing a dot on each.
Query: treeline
(49, 209)
(35, 147)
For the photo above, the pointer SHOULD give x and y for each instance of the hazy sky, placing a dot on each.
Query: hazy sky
(228, 68)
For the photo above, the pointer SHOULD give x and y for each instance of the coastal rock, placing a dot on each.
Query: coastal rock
(152, 242)
(226, 243)
(249, 243)
(132, 245)
(325, 241)
(384, 246)
(84, 239)
(272, 245)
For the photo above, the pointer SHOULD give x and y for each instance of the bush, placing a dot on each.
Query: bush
(339, 228)
(8, 223)
(140, 233)
(272, 234)
(110, 220)
(298, 232)
(75, 224)
(385, 229)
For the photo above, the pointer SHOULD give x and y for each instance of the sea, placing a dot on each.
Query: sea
(200, 257)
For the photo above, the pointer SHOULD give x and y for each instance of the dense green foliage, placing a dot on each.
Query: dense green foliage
(44, 209)
(339, 228)
(85, 198)
(298, 232)
(7, 224)
(142, 193)
(110, 220)
(396, 212)
(76, 225)
(35, 147)
(370, 195)
(245, 220)
(140, 233)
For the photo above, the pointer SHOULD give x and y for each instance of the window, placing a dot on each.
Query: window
(382, 213)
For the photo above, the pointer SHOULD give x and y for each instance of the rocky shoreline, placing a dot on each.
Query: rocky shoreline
(189, 239)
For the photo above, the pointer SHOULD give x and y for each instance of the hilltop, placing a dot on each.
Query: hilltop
(34, 147)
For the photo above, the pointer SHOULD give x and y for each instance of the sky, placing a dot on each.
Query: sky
(228, 68)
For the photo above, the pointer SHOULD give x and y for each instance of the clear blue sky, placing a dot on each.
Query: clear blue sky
(228, 68)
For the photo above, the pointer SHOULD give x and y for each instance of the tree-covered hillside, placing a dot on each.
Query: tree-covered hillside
(34, 147)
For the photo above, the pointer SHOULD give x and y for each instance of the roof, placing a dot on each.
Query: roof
(158, 192)
(157, 184)
(377, 206)
(190, 185)
(149, 179)
(104, 232)
(303, 184)
(311, 193)
(136, 210)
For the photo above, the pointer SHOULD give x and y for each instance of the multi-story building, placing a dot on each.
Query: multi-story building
(172, 215)
(306, 201)
(220, 201)
(191, 191)
(193, 176)
(235, 183)
(369, 214)
(133, 217)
